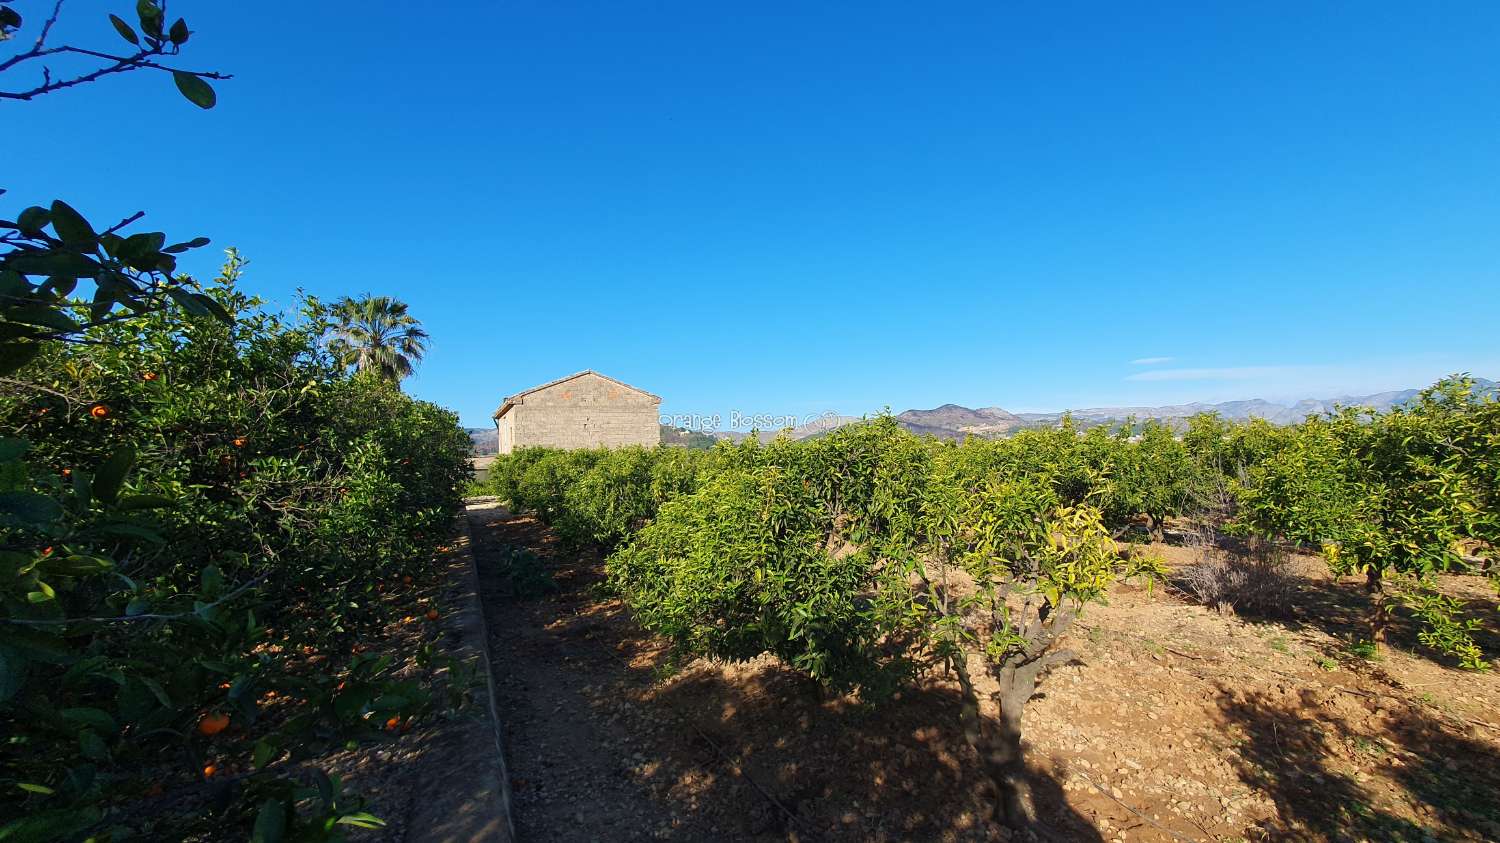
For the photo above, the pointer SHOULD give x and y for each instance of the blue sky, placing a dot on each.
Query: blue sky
(787, 208)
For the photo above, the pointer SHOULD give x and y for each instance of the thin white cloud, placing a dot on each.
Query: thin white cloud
(1151, 361)
(1231, 373)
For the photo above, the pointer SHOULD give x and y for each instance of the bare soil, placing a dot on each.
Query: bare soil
(1180, 723)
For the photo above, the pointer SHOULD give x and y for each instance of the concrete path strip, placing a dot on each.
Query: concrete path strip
(472, 804)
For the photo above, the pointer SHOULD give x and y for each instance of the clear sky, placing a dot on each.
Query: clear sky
(786, 208)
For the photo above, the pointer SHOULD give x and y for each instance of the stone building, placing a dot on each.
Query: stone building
(586, 410)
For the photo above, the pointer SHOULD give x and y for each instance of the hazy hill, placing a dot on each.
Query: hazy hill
(1255, 408)
(954, 422)
(985, 421)
(681, 437)
(485, 439)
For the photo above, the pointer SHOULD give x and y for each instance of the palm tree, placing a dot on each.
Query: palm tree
(375, 333)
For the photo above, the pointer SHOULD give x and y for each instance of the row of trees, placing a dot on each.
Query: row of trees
(203, 512)
(201, 523)
(860, 559)
(869, 556)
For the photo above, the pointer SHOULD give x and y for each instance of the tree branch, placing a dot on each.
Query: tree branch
(146, 617)
(119, 64)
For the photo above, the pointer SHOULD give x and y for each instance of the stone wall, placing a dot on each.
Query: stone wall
(584, 412)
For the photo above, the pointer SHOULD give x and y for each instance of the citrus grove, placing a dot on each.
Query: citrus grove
(203, 522)
(869, 556)
(213, 513)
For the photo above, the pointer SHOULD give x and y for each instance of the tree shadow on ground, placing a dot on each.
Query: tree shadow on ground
(756, 751)
(1342, 608)
(845, 771)
(1310, 750)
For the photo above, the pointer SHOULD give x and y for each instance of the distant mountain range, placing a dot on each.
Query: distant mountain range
(1255, 408)
(954, 422)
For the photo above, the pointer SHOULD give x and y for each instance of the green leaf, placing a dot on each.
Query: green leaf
(36, 645)
(178, 34)
(112, 473)
(70, 225)
(58, 286)
(214, 308)
(189, 302)
(92, 717)
(362, 819)
(130, 503)
(13, 284)
(15, 355)
(179, 248)
(262, 754)
(60, 824)
(92, 746)
(35, 788)
(12, 448)
(197, 91)
(33, 220)
(48, 316)
(134, 531)
(137, 606)
(55, 262)
(389, 702)
(270, 823)
(9, 18)
(139, 245)
(149, 13)
(157, 691)
(28, 509)
(43, 594)
(124, 29)
(75, 566)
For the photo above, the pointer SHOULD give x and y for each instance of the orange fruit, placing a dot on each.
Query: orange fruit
(67, 472)
(239, 442)
(406, 579)
(432, 614)
(148, 376)
(209, 770)
(212, 724)
(393, 724)
(99, 411)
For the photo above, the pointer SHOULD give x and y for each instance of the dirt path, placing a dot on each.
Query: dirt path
(1181, 724)
(572, 737)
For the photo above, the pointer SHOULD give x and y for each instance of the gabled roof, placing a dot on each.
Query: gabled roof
(512, 400)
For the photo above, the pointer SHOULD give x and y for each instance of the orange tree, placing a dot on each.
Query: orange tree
(1395, 497)
(200, 522)
(596, 497)
(869, 555)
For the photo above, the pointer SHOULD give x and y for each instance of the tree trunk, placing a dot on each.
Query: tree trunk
(1378, 617)
(1158, 529)
(1006, 761)
(998, 744)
